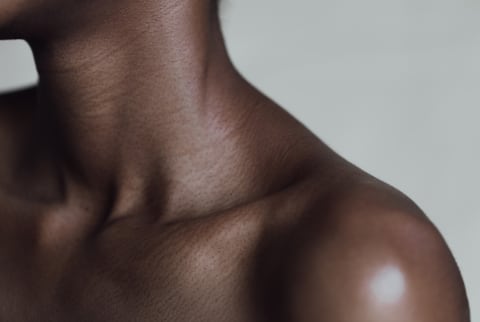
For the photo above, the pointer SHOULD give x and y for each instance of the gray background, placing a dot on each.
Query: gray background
(392, 85)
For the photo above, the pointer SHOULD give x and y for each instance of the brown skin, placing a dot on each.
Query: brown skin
(144, 179)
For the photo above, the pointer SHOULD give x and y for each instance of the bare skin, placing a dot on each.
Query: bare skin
(144, 179)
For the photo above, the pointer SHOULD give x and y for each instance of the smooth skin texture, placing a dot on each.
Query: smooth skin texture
(144, 179)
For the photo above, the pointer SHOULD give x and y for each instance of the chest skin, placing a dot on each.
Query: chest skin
(63, 263)
(245, 264)
(136, 269)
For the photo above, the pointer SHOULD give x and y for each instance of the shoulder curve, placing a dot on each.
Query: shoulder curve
(372, 255)
(16, 106)
(21, 97)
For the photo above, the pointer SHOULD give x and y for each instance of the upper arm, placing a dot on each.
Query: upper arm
(372, 265)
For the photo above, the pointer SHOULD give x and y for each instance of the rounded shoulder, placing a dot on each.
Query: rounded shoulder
(16, 108)
(366, 252)
(8, 99)
(16, 116)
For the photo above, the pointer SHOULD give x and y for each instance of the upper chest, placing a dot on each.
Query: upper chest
(135, 270)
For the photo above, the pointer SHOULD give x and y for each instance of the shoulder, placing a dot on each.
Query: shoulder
(366, 252)
(17, 99)
(16, 112)
(16, 117)
(16, 108)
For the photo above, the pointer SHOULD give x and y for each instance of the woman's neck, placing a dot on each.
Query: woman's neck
(146, 101)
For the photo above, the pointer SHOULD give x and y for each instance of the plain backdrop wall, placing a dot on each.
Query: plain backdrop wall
(392, 85)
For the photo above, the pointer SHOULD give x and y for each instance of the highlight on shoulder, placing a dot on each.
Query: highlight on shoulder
(374, 256)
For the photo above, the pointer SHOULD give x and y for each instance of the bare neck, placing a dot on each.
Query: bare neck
(143, 104)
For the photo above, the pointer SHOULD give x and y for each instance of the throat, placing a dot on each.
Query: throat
(152, 116)
(123, 91)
